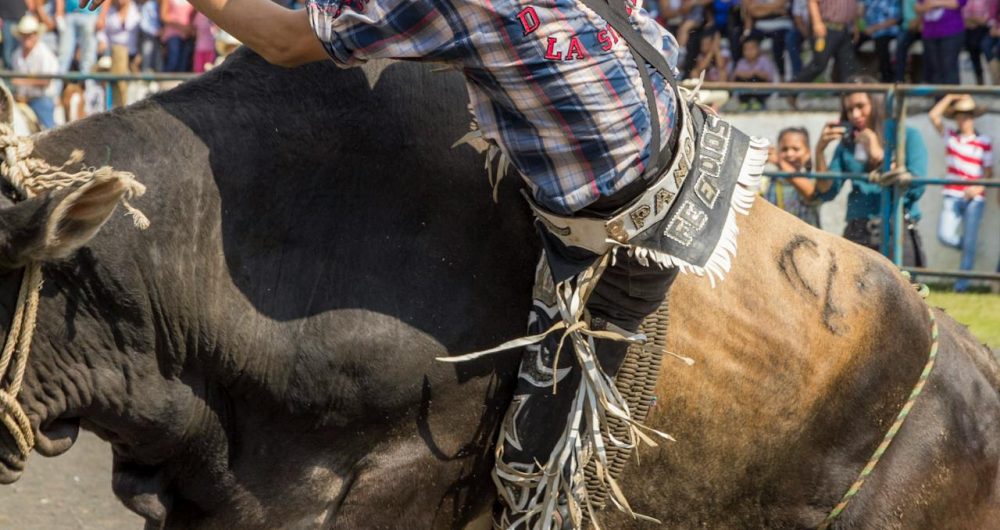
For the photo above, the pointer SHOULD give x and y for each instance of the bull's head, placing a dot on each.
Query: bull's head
(46, 227)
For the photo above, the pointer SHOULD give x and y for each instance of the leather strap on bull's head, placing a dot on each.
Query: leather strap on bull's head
(72, 221)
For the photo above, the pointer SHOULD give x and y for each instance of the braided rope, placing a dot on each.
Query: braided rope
(32, 176)
(893, 430)
(636, 381)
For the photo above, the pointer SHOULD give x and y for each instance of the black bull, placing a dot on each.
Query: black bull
(263, 355)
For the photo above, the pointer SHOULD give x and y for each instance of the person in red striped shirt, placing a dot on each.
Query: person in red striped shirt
(969, 157)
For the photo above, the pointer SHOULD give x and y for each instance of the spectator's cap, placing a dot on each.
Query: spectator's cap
(964, 104)
(28, 25)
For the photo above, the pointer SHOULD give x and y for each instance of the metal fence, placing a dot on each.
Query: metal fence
(895, 136)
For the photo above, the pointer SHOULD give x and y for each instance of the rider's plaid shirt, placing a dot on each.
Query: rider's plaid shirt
(550, 82)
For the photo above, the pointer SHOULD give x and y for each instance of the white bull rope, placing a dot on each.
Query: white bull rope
(32, 176)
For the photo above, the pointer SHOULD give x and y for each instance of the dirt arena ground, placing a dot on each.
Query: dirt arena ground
(71, 492)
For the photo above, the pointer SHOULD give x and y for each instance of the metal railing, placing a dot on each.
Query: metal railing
(895, 149)
(895, 138)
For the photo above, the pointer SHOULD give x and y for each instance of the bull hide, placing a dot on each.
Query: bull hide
(262, 355)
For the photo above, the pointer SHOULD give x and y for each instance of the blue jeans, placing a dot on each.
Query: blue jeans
(959, 228)
(79, 29)
(9, 43)
(179, 52)
(941, 59)
(44, 109)
(793, 44)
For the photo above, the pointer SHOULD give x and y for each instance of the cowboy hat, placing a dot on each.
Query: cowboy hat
(28, 25)
(964, 104)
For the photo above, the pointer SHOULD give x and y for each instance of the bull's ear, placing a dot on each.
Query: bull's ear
(54, 226)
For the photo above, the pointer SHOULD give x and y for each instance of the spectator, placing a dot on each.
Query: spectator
(910, 30)
(969, 156)
(799, 33)
(671, 15)
(770, 20)
(977, 16)
(993, 50)
(77, 29)
(204, 44)
(34, 57)
(882, 19)
(859, 132)
(795, 194)
(833, 28)
(150, 32)
(122, 30)
(697, 20)
(944, 36)
(11, 11)
(711, 59)
(754, 67)
(176, 16)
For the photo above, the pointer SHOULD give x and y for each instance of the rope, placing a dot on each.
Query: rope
(893, 430)
(32, 176)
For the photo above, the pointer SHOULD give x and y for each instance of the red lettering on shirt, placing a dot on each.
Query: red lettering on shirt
(550, 52)
(529, 20)
(575, 48)
(605, 40)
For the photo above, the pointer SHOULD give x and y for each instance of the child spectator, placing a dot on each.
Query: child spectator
(204, 43)
(944, 36)
(150, 32)
(793, 195)
(770, 19)
(176, 17)
(978, 15)
(756, 68)
(711, 59)
(969, 157)
(882, 19)
(122, 30)
(34, 57)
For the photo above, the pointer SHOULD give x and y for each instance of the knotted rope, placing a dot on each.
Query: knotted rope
(32, 176)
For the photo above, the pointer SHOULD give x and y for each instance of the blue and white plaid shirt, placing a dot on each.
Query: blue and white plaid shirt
(878, 11)
(551, 83)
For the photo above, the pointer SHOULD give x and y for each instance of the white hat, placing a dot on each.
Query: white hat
(28, 25)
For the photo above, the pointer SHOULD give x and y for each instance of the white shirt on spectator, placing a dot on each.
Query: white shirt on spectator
(41, 60)
(124, 31)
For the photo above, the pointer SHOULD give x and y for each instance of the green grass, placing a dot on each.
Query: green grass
(979, 311)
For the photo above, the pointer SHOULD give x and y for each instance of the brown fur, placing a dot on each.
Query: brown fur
(804, 356)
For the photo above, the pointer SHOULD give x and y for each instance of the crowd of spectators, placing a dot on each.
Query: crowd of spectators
(797, 40)
(124, 36)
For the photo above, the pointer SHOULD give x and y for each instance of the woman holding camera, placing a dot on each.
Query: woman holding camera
(860, 133)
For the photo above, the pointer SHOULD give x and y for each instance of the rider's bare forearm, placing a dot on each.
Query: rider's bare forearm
(280, 35)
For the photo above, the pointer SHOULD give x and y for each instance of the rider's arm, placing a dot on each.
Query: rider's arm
(282, 36)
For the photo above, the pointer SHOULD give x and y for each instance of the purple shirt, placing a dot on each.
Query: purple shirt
(763, 64)
(941, 22)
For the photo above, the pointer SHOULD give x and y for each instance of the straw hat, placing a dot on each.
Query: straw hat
(964, 104)
(28, 25)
